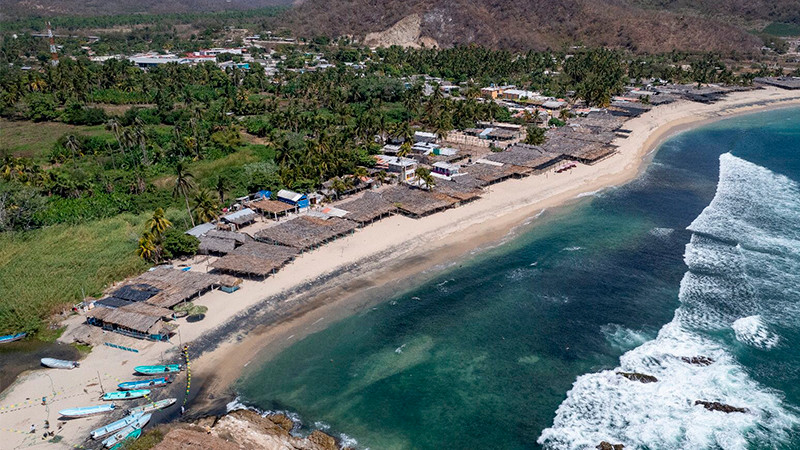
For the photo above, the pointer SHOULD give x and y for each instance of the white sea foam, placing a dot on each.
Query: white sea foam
(753, 331)
(572, 249)
(624, 338)
(743, 262)
(662, 232)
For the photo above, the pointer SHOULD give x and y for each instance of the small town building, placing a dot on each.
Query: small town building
(424, 136)
(293, 198)
(444, 168)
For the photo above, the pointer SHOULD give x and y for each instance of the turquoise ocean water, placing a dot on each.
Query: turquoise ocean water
(518, 346)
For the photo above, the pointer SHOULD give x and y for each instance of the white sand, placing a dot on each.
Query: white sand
(447, 234)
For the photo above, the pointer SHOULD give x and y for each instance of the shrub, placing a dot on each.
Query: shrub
(176, 244)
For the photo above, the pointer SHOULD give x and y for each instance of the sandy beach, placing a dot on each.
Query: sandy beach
(331, 282)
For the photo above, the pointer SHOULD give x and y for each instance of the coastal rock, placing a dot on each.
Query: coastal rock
(193, 438)
(282, 421)
(717, 406)
(323, 440)
(640, 377)
(609, 446)
(697, 360)
(244, 430)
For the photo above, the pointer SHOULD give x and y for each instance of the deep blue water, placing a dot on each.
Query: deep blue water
(518, 347)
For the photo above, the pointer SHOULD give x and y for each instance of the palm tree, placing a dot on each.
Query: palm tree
(425, 176)
(381, 177)
(183, 184)
(73, 146)
(206, 208)
(147, 248)
(405, 149)
(157, 224)
(221, 186)
(359, 173)
(338, 186)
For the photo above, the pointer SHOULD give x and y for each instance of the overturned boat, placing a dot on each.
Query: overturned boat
(12, 337)
(59, 363)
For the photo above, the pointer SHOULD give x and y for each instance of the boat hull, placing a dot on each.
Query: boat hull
(126, 395)
(143, 384)
(115, 426)
(12, 337)
(123, 434)
(156, 370)
(133, 436)
(87, 410)
(150, 407)
(59, 363)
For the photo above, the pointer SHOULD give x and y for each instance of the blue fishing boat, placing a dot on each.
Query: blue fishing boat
(154, 382)
(124, 433)
(131, 437)
(152, 406)
(155, 370)
(12, 337)
(87, 410)
(115, 426)
(126, 395)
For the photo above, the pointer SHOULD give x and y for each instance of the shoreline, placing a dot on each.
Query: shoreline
(346, 276)
(266, 340)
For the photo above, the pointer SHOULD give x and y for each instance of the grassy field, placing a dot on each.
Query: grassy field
(45, 270)
(782, 29)
(35, 140)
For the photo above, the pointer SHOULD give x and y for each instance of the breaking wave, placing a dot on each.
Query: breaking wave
(742, 281)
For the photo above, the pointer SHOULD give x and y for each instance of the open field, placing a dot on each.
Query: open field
(35, 140)
(46, 269)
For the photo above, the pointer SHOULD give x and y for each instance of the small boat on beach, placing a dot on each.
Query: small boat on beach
(142, 384)
(59, 363)
(87, 410)
(115, 426)
(126, 395)
(153, 406)
(155, 370)
(123, 434)
(12, 337)
(131, 437)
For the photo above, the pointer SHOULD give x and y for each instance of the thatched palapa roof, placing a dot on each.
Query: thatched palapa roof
(525, 155)
(212, 245)
(417, 202)
(175, 286)
(463, 188)
(367, 208)
(306, 232)
(271, 206)
(126, 318)
(490, 173)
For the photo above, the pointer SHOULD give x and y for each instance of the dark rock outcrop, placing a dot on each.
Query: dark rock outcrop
(282, 421)
(609, 446)
(717, 406)
(640, 377)
(697, 360)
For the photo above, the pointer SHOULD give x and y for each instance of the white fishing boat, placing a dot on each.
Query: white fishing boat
(115, 438)
(115, 426)
(153, 406)
(87, 410)
(59, 363)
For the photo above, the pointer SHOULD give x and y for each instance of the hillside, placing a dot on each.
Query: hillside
(639, 25)
(530, 24)
(20, 8)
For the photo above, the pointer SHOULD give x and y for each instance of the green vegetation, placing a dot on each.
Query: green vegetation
(782, 29)
(47, 268)
(146, 441)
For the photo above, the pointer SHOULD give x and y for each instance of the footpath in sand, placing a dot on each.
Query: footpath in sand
(441, 237)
